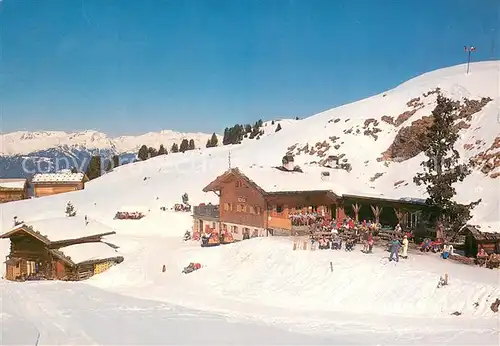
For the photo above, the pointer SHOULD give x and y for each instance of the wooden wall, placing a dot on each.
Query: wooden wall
(30, 250)
(241, 204)
(42, 190)
(12, 195)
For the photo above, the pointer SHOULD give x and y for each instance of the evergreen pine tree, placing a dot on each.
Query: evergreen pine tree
(248, 128)
(113, 163)
(70, 210)
(225, 139)
(143, 153)
(74, 170)
(272, 122)
(214, 141)
(185, 198)
(442, 168)
(209, 144)
(162, 150)
(94, 167)
(278, 127)
(152, 152)
(184, 145)
(191, 145)
(109, 165)
(175, 148)
(255, 130)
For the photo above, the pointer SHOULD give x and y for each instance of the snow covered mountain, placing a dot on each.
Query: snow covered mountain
(369, 147)
(24, 143)
(23, 153)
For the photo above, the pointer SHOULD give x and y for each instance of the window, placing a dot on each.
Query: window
(31, 267)
(257, 210)
(226, 206)
(238, 208)
(234, 229)
(238, 183)
(251, 209)
(279, 208)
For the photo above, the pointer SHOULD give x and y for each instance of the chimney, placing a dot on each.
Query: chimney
(325, 176)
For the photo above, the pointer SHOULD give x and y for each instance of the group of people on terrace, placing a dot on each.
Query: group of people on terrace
(321, 222)
(332, 234)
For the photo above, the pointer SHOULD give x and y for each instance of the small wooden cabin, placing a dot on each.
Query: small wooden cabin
(13, 190)
(475, 239)
(33, 256)
(46, 184)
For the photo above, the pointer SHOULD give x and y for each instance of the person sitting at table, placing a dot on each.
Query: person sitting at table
(482, 256)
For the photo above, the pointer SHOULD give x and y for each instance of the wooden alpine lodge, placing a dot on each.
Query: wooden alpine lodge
(276, 201)
(68, 248)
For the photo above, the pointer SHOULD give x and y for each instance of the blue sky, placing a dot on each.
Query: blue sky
(127, 67)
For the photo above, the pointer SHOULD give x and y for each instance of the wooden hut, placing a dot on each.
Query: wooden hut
(13, 190)
(46, 184)
(46, 252)
(475, 239)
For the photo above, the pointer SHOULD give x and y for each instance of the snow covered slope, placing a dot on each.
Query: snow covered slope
(263, 279)
(334, 133)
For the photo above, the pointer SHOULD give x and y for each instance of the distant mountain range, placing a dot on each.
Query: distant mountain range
(24, 153)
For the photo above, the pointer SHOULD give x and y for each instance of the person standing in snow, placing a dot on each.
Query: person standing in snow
(395, 245)
(370, 242)
(405, 247)
(446, 251)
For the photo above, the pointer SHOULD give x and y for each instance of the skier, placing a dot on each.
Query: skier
(395, 245)
(405, 247)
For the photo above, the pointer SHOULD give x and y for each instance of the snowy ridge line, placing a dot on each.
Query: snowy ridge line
(24, 142)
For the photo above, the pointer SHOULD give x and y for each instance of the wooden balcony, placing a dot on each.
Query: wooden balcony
(209, 211)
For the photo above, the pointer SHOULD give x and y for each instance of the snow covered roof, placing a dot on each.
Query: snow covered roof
(58, 177)
(12, 184)
(273, 180)
(89, 251)
(63, 228)
(270, 180)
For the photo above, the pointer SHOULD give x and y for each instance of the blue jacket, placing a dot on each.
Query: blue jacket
(395, 245)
